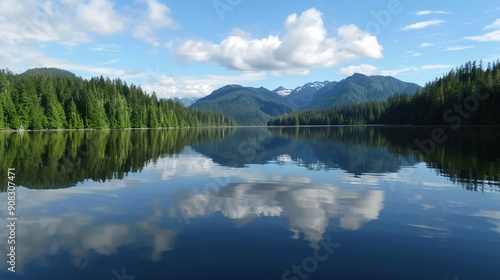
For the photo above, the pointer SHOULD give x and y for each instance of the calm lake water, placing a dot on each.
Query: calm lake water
(254, 203)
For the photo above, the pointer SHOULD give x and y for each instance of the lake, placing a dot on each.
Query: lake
(294, 203)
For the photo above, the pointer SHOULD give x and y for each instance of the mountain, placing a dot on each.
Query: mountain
(281, 91)
(359, 88)
(255, 106)
(247, 105)
(303, 94)
(186, 101)
(54, 72)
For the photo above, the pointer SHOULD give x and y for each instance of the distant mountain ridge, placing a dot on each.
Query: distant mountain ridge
(247, 105)
(254, 106)
(359, 88)
(54, 72)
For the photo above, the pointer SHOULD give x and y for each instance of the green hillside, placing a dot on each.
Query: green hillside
(247, 105)
(359, 88)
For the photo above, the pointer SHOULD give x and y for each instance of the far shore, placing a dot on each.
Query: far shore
(241, 126)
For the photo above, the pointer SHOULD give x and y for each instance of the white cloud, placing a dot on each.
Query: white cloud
(492, 36)
(23, 56)
(111, 61)
(473, 21)
(458, 48)
(424, 45)
(363, 69)
(12, 9)
(423, 24)
(73, 22)
(304, 45)
(494, 25)
(422, 13)
(157, 17)
(416, 54)
(488, 37)
(33, 22)
(99, 16)
(491, 10)
(108, 49)
(171, 86)
(396, 72)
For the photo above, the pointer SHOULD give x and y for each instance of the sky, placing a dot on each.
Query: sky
(190, 48)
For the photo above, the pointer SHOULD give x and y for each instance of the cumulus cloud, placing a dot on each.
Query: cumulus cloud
(73, 22)
(33, 22)
(99, 16)
(493, 36)
(304, 45)
(157, 17)
(363, 69)
(423, 24)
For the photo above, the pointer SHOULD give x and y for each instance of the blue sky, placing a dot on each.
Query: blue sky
(190, 48)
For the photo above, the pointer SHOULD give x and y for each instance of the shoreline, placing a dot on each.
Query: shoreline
(244, 126)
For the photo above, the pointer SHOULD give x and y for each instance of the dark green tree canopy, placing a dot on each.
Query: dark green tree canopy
(50, 98)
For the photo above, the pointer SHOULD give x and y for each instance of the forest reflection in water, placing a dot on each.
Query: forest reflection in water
(47, 160)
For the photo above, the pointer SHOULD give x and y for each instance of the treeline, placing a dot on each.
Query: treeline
(469, 94)
(56, 99)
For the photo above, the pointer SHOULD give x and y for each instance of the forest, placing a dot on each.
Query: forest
(49, 98)
(469, 94)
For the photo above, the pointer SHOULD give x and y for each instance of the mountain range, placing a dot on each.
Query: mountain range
(254, 106)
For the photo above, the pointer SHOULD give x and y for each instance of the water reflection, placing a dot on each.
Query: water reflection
(63, 159)
(50, 160)
(307, 207)
(82, 235)
(192, 204)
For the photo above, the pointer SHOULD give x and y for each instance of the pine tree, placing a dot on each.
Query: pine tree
(74, 119)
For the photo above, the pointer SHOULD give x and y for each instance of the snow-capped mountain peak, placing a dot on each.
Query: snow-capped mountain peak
(282, 91)
(315, 85)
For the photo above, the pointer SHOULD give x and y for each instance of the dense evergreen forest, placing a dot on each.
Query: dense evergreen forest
(469, 94)
(57, 99)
